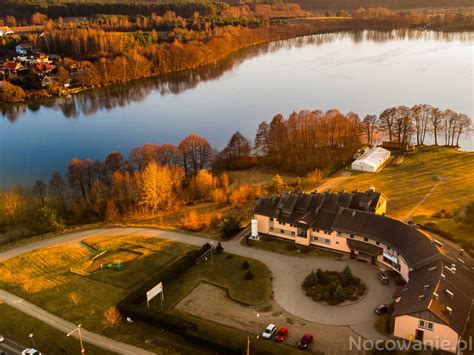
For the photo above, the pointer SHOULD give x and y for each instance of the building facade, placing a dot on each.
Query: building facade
(355, 222)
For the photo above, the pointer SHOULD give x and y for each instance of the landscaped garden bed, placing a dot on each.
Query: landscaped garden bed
(333, 287)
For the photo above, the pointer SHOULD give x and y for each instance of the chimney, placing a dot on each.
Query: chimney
(372, 188)
(449, 309)
(435, 295)
(425, 287)
(450, 294)
(421, 297)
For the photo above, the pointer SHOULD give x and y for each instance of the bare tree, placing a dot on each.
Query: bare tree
(39, 189)
(369, 123)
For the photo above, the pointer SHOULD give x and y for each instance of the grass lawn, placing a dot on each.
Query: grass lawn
(276, 245)
(381, 324)
(226, 271)
(408, 184)
(16, 326)
(448, 225)
(43, 277)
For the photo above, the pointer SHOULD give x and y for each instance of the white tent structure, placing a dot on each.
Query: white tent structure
(371, 160)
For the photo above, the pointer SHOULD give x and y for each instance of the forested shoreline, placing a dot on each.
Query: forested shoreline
(167, 178)
(107, 50)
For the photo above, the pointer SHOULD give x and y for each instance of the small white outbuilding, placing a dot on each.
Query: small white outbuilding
(371, 160)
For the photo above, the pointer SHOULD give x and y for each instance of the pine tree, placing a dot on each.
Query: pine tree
(339, 294)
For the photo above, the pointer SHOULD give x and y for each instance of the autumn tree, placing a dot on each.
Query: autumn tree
(370, 122)
(39, 190)
(57, 189)
(195, 152)
(156, 188)
(11, 204)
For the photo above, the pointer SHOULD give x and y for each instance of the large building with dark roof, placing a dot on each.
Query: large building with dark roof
(436, 301)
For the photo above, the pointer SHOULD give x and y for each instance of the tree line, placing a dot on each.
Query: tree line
(414, 124)
(167, 177)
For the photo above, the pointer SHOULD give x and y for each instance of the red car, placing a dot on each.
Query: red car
(281, 335)
(305, 341)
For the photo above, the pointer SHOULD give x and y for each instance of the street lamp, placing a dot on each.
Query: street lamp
(78, 330)
(258, 325)
(32, 337)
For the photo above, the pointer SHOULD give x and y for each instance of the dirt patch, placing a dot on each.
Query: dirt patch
(211, 302)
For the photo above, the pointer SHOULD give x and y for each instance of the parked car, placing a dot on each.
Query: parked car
(383, 278)
(305, 341)
(281, 334)
(381, 309)
(268, 332)
(30, 351)
(2, 339)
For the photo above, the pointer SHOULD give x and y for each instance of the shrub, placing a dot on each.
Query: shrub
(305, 250)
(219, 248)
(218, 196)
(111, 317)
(354, 298)
(47, 220)
(346, 276)
(339, 295)
(193, 222)
(230, 227)
(245, 265)
(310, 280)
(248, 275)
(230, 256)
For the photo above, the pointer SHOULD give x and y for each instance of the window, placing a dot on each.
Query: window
(271, 229)
(430, 326)
(327, 241)
(366, 239)
(315, 239)
(388, 248)
(292, 233)
(378, 243)
(352, 236)
(317, 230)
(421, 324)
(339, 233)
(425, 325)
(282, 231)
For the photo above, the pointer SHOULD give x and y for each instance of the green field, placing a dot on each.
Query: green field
(280, 246)
(225, 272)
(428, 180)
(16, 326)
(43, 277)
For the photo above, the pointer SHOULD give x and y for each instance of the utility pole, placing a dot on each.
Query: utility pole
(212, 247)
(248, 345)
(78, 330)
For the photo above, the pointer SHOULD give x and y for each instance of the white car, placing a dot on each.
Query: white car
(30, 352)
(268, 332)
(2, 339)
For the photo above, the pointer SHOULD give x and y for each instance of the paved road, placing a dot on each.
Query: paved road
(66, 327)
(10, 347)
(288, 273)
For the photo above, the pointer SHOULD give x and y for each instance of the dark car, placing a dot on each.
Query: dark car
(383, 278)
(381, 309)
(305, 341)
(281, 334)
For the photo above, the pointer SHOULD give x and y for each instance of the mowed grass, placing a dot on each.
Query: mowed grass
(16, 326)
(408, 184)
(225, 271)
(50, 268)
(449, 225)
(285, 247)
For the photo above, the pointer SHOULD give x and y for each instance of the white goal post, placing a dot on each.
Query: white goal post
(155, 291)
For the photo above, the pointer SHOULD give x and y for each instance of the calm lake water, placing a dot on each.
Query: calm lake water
(361, 72)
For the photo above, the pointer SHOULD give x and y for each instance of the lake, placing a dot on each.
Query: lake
(363, 72)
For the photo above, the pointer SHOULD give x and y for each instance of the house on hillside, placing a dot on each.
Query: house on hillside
(372, 160)
(5, 31)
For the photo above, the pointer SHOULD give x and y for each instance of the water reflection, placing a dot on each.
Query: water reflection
(90, 102)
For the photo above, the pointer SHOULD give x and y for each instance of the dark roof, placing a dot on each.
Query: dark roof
(412, 244)
(428, 292)
(364, 247)
(435, 288)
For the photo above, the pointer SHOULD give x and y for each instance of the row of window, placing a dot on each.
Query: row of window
(321, 240)
(425, 325)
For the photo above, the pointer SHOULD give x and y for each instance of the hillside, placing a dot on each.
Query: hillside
(428, 180)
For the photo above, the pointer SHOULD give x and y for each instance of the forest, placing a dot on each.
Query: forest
(165, 178)
(105, 49)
